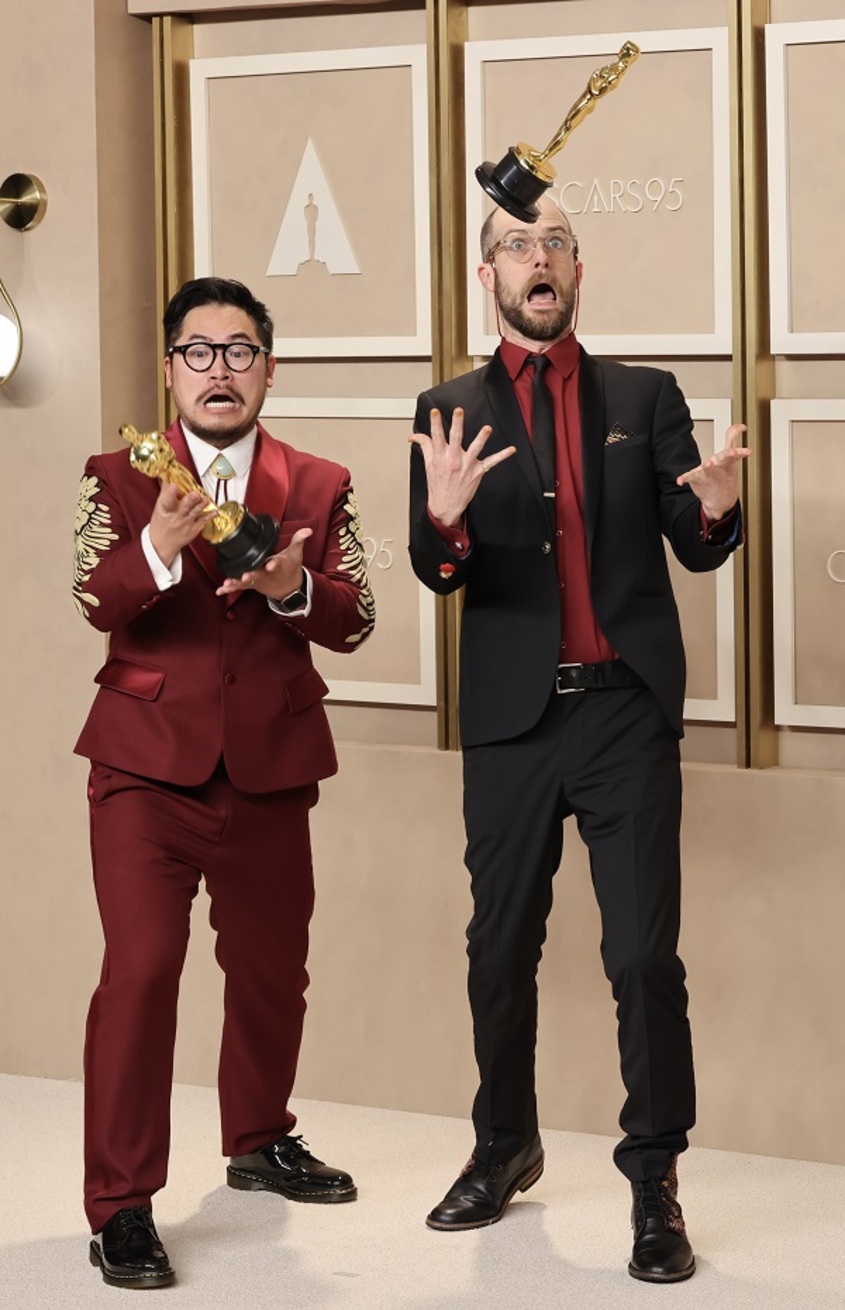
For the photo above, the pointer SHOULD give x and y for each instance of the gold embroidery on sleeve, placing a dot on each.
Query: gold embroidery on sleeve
(92, 536)
(353, 562)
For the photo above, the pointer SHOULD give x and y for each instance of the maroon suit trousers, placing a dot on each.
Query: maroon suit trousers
(151, 844)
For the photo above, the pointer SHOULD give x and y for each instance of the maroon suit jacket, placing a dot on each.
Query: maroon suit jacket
(191, 676)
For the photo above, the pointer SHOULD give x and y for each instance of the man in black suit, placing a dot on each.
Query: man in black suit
(571, 701)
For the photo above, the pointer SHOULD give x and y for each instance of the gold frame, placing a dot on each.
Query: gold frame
(173, 46)
(447, 34)
(753, 386)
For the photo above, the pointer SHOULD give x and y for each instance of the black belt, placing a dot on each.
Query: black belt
(595, 677)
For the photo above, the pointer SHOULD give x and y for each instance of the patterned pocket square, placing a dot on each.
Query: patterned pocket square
(617, 433)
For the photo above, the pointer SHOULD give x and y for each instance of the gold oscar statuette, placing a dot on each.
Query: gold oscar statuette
(518, 181)
(243, 541)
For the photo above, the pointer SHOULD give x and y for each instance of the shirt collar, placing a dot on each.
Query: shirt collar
(563, 356)
(239, 454)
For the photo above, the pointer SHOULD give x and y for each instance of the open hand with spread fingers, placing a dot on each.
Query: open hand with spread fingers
(454, 473)
(716, 480)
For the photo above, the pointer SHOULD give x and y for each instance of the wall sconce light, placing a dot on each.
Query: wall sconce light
(23, 200)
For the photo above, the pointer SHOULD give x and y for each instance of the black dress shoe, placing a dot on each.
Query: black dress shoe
(661, 1253)
(482, 1193)
(287, 1166)
(129, 1252)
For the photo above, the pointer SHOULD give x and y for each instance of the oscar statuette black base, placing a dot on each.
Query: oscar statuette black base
(252, 542)
(513, 187)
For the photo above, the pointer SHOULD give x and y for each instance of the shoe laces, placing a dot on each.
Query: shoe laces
(653, 1200)
(489, 1170)
(135, 1216)
(291, 1147)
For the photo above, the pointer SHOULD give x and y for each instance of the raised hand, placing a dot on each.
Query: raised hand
(176, 519)
(454, 473)
(716, 480)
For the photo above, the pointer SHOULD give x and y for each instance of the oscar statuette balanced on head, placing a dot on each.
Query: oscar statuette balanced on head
(243, 541)
(519, 180)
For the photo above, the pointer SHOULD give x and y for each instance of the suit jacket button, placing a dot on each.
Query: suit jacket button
(547, 546)
(229, 679)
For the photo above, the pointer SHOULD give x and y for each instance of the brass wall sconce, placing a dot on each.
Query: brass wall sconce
(23, 201)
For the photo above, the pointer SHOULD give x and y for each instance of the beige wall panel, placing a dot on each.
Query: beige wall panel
(259, 120)
(804, 11)
(815, 78)
(582, 17)
(292, 31)
(638, 191)
(390, 725)
(376, 377)
(809, 379)
(811, 748)
(708, 743)
(696, 597)
(698, 377)
(818, 530)
(200, 7)
(695, 594)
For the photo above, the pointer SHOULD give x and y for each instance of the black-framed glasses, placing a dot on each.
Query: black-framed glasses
(521, 246)
(239, 356)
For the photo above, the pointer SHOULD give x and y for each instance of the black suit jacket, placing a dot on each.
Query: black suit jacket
(637, 438)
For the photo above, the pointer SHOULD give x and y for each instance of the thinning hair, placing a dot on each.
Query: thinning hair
(487, 242)
(216, 291)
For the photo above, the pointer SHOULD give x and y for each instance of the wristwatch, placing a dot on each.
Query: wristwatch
(296, 601)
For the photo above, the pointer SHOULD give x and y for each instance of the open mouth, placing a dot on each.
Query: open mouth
(220, 402)
(542, 295)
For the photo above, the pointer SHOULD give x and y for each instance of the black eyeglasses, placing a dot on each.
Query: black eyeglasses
(239, 356)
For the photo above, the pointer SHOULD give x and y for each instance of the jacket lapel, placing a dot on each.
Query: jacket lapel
(269, 477)
(593, 428)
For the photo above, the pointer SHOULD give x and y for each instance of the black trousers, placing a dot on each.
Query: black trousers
(610, 758)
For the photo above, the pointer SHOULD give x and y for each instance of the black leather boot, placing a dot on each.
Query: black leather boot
(483, 1192)
(661, 1253)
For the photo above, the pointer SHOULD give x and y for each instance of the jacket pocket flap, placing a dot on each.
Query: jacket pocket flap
(305, 690)
(141, 680)
(289, 527)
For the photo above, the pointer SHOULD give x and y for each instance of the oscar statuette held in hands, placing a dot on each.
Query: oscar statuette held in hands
(518, 181)
(243, 541)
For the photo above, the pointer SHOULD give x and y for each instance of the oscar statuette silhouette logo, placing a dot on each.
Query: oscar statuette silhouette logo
(518, 181)
(243, 541)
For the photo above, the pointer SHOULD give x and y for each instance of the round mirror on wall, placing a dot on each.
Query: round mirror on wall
(11, 337)
(23, 202)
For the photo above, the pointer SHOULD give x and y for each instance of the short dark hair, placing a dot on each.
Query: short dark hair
(216, 291)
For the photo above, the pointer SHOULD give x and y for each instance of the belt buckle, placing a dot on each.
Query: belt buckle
(567, 691)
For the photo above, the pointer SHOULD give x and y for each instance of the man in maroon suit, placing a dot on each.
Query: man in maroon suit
(207, 739)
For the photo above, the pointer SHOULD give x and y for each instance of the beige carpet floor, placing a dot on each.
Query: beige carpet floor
(769, 1234)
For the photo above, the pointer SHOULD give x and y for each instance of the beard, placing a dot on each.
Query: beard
(515, 310)
(226, 430)
(221, 438)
